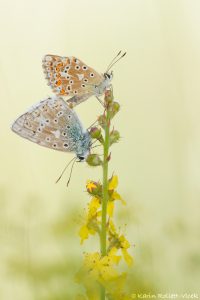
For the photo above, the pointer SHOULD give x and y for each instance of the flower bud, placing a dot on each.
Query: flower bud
(94, 160)
(94, 188)
(102, 121)
(108, 98)
(114, 109)
(95, 133)
(114, 137)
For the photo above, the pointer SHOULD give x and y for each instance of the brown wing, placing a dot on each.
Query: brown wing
(48, 124)
(69, 76)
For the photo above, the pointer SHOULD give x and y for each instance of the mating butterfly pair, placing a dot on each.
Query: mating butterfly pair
(52, 123)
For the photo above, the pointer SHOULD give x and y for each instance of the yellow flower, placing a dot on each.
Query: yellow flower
(127, 257)
(123, 242)
(124, 246)
(119, 242)
(93, 206)
(83, 233)
(116, 196)
(114, 287)
(113, 195)
(91, 224)
(90, 185)
(112, 227)
(102, 268)
(112, 254)
(110, 208)
(113, 183)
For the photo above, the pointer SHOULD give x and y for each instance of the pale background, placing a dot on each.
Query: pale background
(157, 160)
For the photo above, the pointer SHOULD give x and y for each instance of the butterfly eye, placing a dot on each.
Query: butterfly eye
(81, 158)
(91, 74)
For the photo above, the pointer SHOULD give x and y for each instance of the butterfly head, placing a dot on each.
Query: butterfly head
(108, 77)
(81, 158)
(106, 82)
(83, 148)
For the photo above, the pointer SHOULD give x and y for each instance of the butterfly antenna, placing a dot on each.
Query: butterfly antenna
(113, 60)
(65, 169)
(95, 146)
(70, 175)
(92, 124)
(111, 65)
(94, 142)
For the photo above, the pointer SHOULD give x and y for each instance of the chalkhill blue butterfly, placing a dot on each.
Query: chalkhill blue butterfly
(53, 124)
(70, 77)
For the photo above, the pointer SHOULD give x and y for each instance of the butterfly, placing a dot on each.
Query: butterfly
(53, 124)
(70, 77)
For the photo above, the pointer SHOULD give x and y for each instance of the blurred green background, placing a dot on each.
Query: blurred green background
(157, 160)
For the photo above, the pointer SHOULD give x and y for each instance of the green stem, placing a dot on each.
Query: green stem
(105, 194)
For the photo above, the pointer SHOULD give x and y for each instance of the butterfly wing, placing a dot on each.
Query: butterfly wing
(69, 76)
(51, 124)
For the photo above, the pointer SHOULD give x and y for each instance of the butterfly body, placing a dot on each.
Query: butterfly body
(106, 82)
(70, 77)
(52, 124)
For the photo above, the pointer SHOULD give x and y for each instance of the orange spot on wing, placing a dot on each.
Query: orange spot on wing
(59, 82)
(62, 92)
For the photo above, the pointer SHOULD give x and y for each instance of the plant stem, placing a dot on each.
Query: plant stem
(105, 193)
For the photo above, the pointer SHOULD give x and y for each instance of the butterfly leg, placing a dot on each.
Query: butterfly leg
(100, 101)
